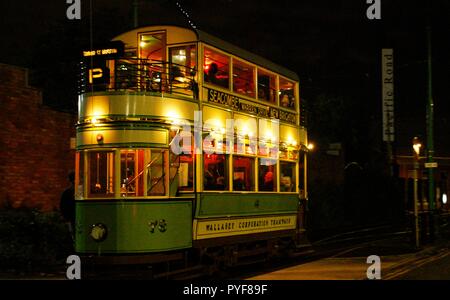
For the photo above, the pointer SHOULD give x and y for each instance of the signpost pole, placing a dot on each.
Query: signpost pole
(387, 81)
(430, 141)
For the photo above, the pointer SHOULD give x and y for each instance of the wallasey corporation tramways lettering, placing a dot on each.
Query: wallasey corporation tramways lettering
(254, 224)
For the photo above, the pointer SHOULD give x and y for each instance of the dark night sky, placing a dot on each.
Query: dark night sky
(333, 47)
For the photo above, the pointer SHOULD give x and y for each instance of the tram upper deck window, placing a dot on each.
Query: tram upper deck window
(287, 93)
(152, 46)
(216, 68)
(267, 90)
(243, 78)
(184, 58)
(101, 174)
(182, 68)
(215, 172)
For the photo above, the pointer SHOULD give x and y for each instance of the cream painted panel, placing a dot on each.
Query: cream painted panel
(120, 136)
(216, 118)
(136, 105)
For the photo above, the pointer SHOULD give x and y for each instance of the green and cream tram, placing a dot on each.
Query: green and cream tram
(186, 142)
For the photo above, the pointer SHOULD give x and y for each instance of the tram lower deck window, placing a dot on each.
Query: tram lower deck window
(131, 172)
(243, 173)
(101, 174)
(267, 176)
(287, 177)
(79, 174)
(155, 173)
(215, 172)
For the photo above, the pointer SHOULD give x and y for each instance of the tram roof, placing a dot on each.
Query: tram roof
(254, 58)
(230, 48)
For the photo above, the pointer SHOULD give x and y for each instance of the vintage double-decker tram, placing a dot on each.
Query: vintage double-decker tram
(187, 146)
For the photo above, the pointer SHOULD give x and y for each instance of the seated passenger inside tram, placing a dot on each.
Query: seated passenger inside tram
(266, 184)
(214, 179)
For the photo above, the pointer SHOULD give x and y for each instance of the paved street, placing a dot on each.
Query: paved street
(429, 263)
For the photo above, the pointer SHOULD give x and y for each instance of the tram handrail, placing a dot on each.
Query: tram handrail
(148, 166)
(141, 75)
(142, 172)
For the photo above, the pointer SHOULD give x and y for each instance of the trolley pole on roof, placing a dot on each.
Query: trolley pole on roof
(136, 13)
(430, 141)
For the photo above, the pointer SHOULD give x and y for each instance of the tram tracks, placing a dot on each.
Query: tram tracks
(334, 246)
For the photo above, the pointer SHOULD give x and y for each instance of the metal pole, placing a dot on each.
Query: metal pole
(135, 13)
(430, 138)
(416, 203)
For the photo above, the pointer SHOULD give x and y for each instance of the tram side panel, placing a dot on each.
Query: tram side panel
(116, 227)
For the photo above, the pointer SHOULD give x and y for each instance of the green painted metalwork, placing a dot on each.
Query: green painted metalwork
(232, 204)
(134, 226)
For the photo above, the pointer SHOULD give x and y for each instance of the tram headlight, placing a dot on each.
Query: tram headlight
(444, 198)
(98, 232)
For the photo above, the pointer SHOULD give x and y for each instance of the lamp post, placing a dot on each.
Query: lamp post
(416, 154)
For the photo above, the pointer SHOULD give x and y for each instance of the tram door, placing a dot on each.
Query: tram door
(152, 52)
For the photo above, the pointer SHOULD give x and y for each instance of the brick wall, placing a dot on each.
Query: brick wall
(35, 154)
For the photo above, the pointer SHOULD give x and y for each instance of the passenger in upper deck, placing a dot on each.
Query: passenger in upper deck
(211, 76)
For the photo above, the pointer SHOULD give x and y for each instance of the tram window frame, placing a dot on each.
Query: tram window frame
(181, 76)
(110, 176)
(243, 174)
(176, 165)
(287, 96)
(137, 186)
(221, 187)
(241, 65)
(292, 178)
(161, 180)
(163, 39)
(272, 90)
(225, 69)
(79, 174)
(262, 177)
(302, 176)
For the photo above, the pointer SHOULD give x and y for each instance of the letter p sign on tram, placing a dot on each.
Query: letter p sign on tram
(95, 73)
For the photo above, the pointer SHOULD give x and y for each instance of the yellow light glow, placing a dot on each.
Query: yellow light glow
(416, 148)
(310, 146)
(142, 44)
(94, 121)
